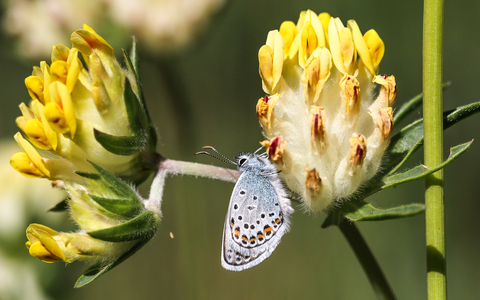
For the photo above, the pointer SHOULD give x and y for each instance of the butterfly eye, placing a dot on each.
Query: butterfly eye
(242, 161)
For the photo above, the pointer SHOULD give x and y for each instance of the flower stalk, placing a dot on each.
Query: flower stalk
(432, 108)
(367, 260)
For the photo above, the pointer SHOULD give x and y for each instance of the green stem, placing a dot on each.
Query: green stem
(432, 109)
(367, 260)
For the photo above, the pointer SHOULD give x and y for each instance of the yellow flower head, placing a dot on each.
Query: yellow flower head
(94, 123)
(324, 106)
(87, 113)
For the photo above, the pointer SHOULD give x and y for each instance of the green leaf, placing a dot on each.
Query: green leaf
(413, 173)
(411, 106)
(122, 207)
(121, 145)
(120, 186)
(359, 210)
(98, 270)
(362, 211)
(452, 117)
(60, 206)
(410, 139)
(422, 171)
(88, 175)
(141, 227)
(137, 117)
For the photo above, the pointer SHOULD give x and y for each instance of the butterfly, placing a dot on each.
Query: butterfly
(258, 214)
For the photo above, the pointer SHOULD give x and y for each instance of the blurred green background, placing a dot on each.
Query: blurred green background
(218, 77)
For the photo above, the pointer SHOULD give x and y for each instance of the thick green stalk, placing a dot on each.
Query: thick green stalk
(369, 264)
(432, 109)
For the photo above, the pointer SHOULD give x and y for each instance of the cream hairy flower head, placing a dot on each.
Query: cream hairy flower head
(320, 78)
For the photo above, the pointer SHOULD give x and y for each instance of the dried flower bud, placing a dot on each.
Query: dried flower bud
(358, 151)
(384, 120)
(275, 148)
(313, 182)
(318, 118)
(350, 94)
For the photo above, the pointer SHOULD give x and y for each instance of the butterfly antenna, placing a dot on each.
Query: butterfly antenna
(258, 150)
(222, 158)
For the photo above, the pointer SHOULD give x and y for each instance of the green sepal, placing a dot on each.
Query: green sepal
(121, 145)
(416, 172)
(412, 105)
(60, 206)
(98, 270)
(88, 175)
(118, 185)
(410, 139)
(361, 211)
(142, 226)
(132, 64)
(122, 207)
(135, 112)
(133, 55)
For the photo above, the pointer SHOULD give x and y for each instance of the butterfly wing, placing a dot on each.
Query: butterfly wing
(257, 218)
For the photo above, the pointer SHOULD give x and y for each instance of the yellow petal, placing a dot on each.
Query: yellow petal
(288, 30)
(308, 43)
(275, 42)
(315, 74)
(362, 47)
(37, 71)
(56, 117)
(75, 66)
(60, 95)
(375, 46)
(44, 245)
(86, 39)
(341, 46)
(265, 61)
(59, 71)
(34, 86)
(347, 50)
(325, 20)
(47, 80)
(34, 156)
(60, 53)
(34, 130)
(51, 135)
(23, 165)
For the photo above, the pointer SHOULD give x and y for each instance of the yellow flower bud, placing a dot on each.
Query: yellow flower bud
(24, 165)
(42, 244)
(35, 87)
(33, 128)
